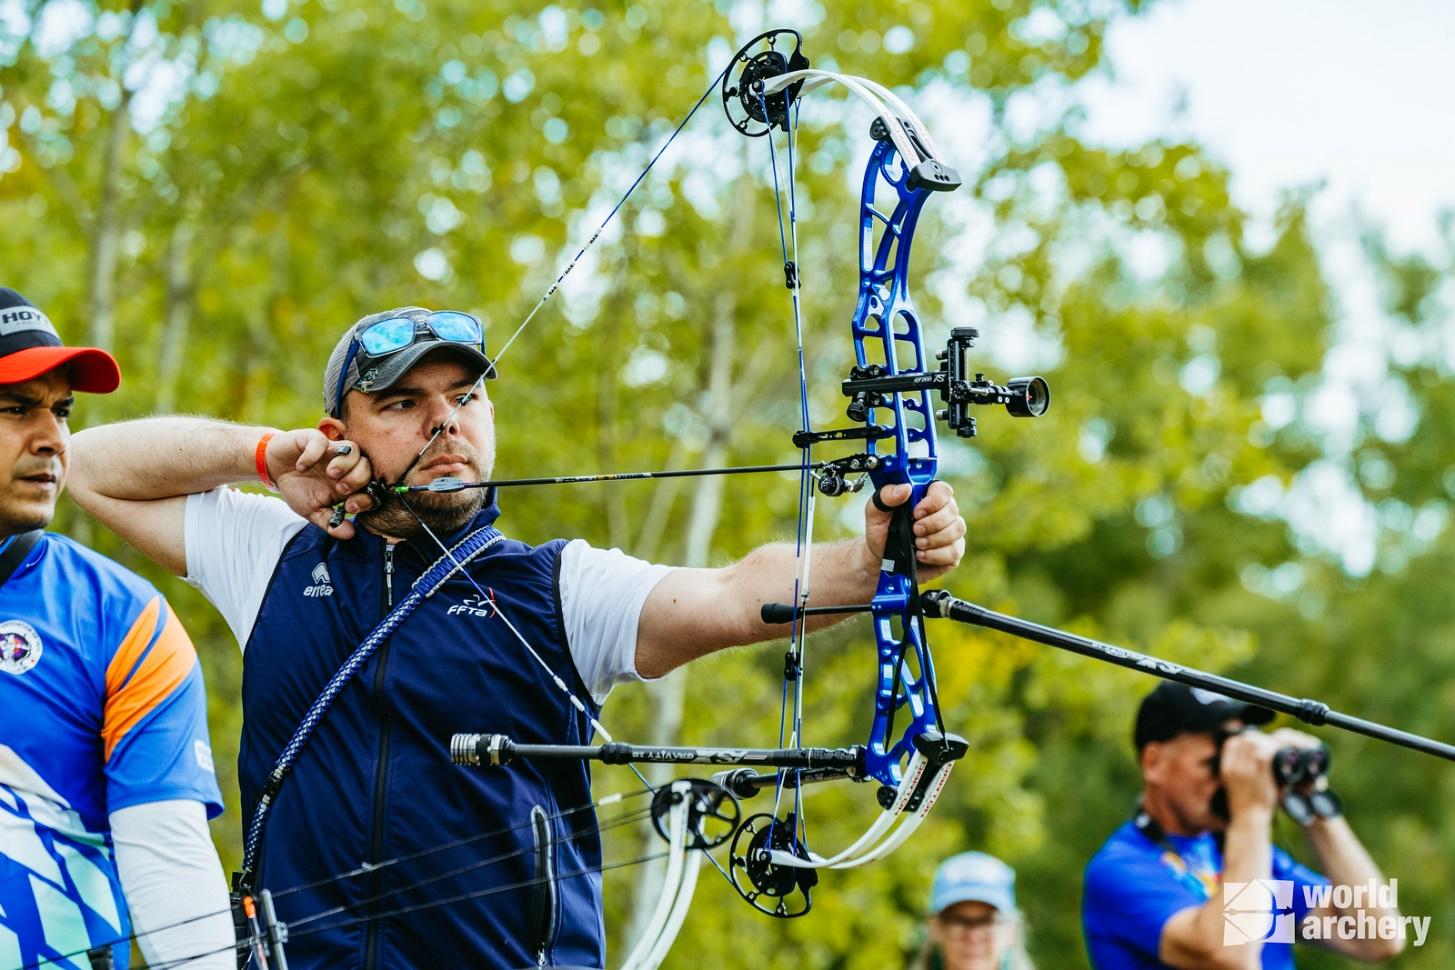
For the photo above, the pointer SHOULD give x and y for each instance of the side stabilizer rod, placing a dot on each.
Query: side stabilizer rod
(939, 603)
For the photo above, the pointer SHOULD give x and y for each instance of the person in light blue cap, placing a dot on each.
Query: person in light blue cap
(974, 922)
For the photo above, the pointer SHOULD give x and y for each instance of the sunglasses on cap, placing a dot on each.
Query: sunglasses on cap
(389, 336)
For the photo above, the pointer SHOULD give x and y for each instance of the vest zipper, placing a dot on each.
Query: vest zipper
(381, 773)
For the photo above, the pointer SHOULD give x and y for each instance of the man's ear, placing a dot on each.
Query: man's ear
(333, 429)
(1152, 760)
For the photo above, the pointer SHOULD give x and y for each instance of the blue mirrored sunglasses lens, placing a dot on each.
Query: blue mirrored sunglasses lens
(387, 336)
(459, 327)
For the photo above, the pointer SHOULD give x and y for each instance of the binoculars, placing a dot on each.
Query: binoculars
(1293, 766)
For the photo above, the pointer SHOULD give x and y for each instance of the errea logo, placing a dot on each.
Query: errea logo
(482, 607)
(322, 582)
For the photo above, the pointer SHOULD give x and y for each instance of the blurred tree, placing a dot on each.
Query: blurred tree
(217, 188)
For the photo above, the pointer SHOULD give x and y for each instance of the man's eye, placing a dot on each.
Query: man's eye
(464, 399)
(62, 413)
(17, 410)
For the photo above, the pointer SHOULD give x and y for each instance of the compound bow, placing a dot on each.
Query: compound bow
(889, 390)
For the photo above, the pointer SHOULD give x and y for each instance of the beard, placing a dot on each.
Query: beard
(15, 521)
(442, 512)
(24, 515)
(408, 516)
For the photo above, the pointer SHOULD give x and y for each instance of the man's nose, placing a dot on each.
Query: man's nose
(50, 434)
(444, 416)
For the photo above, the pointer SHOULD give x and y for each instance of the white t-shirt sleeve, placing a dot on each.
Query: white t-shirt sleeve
(233, 541)
(602, 593)
(174, 885)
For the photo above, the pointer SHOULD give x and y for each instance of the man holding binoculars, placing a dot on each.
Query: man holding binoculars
(1193, 880)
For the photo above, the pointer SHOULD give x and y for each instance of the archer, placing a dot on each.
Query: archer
(106, 780)
(405, 401)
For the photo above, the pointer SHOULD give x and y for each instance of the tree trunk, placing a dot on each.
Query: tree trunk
(177, 314)
(669, 696)
(106, 229)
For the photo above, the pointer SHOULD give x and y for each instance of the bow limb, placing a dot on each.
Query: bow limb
(813, 79)
(672, 884)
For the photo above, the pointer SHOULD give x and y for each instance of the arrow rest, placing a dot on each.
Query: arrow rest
(784, 892)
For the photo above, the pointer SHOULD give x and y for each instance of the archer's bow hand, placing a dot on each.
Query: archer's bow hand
(939, 528)
(315, 474)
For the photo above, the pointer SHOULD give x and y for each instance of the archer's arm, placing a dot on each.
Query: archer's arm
(135, 476)
(694, 612)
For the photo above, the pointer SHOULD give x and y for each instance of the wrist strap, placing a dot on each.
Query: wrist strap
(260, 457)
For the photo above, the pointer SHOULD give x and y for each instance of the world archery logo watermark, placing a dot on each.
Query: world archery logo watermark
(1262, 911)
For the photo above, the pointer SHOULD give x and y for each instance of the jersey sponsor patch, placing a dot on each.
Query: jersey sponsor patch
(477, 606)
(20, 646)
(202, 751)
(322, 582)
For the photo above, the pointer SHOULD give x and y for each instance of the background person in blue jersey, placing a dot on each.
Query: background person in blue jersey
(1154, 894)
(974, 921)
(513, 645)
(106, 776)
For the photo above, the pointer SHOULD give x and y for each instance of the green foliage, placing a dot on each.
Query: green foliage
(232, 184)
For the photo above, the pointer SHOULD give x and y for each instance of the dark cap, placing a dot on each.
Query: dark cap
(30, 347)
(386, 372)
(1174, 709)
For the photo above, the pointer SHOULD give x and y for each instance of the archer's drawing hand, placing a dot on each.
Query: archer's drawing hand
(939, 528)
(315, 474)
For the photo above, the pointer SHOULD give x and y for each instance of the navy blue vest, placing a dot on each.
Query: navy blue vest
(375, 782)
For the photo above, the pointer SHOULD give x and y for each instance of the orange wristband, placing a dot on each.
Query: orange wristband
(260, 455)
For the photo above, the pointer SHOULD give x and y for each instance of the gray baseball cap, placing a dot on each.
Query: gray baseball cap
(381, 373)
(973, 877)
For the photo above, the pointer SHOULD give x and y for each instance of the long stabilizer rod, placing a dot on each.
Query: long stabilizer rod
(497, 749)
(938, 603)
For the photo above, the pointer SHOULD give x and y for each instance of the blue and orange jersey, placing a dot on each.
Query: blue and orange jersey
(102, 707)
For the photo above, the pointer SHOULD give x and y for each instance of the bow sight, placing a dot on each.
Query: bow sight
(871, 386)
(1023, 397)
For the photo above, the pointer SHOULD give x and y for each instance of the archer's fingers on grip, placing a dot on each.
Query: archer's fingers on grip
(877, 498)
(942, 525)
